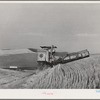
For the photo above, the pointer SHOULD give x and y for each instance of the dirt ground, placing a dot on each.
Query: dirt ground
(13, 79)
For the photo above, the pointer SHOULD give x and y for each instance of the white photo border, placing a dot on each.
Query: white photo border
(53, 93)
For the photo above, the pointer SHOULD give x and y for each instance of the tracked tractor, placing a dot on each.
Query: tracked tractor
(46, 55)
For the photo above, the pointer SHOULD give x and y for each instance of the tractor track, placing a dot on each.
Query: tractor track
(16, 82)
(14, 79)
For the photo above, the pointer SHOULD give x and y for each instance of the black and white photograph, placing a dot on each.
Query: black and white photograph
(50, 46)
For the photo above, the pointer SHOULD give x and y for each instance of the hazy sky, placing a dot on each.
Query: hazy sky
(71, 27)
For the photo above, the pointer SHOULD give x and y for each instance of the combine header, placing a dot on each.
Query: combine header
(76, 56)
(46, 56)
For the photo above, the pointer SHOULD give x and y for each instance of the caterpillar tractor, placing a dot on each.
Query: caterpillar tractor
(47, 56)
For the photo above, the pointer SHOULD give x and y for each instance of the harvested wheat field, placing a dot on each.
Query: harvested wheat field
(80, 74)
(84, 73)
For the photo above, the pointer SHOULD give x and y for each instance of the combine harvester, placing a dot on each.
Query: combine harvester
(47, 56)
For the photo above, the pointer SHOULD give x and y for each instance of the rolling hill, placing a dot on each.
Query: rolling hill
(23, 58)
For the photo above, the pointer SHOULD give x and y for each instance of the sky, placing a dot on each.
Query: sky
(71, 27)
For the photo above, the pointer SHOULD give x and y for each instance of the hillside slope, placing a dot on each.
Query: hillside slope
(84, 73)
(25, 60)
